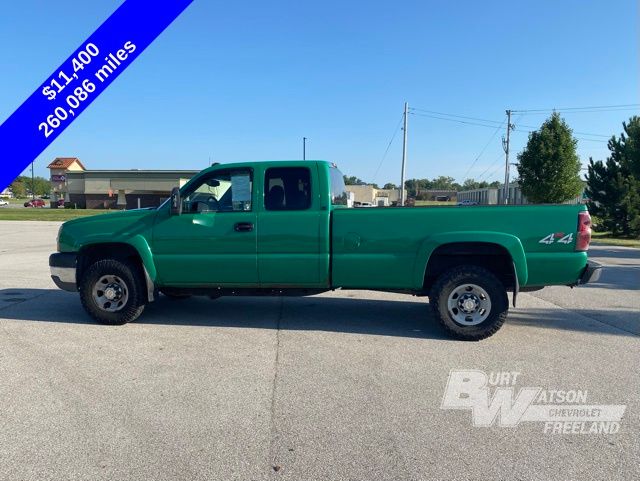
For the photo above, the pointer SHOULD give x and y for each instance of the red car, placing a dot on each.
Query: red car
(35, 203)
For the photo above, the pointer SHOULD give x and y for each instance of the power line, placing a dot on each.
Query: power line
(495, 171)
(574, 131)
(497, 159)
(483, 150)
(454, 120)
(578, 138)
(455, 115)
(439, 116)
(597, 108)
(571, 112)
(395, 132)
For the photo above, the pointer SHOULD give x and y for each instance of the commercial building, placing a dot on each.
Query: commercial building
(436, 194)
(370, 195)
(495, 196)
(488, 196)
(123, 189)
(59, 169)
(111, 189)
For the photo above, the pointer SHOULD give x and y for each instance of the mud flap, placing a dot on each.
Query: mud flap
(516, 284)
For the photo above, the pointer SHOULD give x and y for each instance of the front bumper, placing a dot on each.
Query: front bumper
(63, 270)
(591, 273)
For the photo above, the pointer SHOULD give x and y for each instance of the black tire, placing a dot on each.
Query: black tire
(450, 283)
(134, 288)
(175, 295)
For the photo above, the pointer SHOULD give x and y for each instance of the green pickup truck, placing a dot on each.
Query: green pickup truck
(285, 228)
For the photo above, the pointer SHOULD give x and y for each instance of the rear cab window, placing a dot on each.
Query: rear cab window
(338, 189)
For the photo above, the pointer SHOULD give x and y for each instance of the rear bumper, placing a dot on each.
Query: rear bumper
(591, 273)
(63, 270)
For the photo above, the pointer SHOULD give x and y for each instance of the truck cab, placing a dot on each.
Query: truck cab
(248, 225)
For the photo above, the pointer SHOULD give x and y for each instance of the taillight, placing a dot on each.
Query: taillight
(583, 237)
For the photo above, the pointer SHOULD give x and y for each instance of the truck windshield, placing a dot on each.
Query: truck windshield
(338, 189)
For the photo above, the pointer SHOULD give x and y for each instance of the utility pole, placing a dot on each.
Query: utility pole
(505, 146)
(404, 154)
(33, 194)
(304, 148)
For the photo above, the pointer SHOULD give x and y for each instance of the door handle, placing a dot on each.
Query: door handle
(243, 227)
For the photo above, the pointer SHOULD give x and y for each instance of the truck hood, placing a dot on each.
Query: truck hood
(113, 227)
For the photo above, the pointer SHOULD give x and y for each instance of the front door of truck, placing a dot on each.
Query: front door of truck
(213, 241)
(293, 240)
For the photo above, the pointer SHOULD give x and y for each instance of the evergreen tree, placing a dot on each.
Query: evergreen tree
(614, 186)
(605, 193)
(549, 166)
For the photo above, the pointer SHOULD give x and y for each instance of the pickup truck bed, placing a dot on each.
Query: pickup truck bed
(390, 248)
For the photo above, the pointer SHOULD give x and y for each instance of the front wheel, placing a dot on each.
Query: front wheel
(470, 302)
(112, 292)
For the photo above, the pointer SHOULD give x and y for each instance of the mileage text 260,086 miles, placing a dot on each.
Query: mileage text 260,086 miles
(83, 87)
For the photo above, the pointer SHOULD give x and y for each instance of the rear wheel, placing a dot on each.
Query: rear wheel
(112, 292)
(470, 302)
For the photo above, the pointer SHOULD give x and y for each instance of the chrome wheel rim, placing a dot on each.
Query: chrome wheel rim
(469, 304)
(110, 293)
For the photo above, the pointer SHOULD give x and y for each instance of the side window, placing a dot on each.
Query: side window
(287, 188)
(221, 191)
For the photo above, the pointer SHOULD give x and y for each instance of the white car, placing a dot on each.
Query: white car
(3, 202)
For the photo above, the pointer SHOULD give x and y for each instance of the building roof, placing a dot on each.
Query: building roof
(135, 171)
(64, 163)
(130, 173)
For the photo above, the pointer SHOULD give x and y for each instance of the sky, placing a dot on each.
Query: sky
(247, 80)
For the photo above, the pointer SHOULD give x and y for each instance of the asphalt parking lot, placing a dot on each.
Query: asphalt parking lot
(346, 385)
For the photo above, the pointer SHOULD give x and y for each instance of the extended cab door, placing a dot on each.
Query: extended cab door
(293, 227)
(213, 241)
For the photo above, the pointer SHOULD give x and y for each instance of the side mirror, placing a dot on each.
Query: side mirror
(176, 202)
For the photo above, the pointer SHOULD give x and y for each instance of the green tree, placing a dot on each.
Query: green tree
(353, 180)
(41, 186)
(469, 184)
(613, 186)
(18, 188)
(413, 186)
(443, 183)
(549, 167)
(390, 185)
(24, 185)
(604, 190)
(472, 184)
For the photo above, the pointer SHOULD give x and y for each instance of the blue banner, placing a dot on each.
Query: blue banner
(80, 79)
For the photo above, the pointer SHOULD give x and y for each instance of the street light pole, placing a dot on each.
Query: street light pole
(304, 148)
